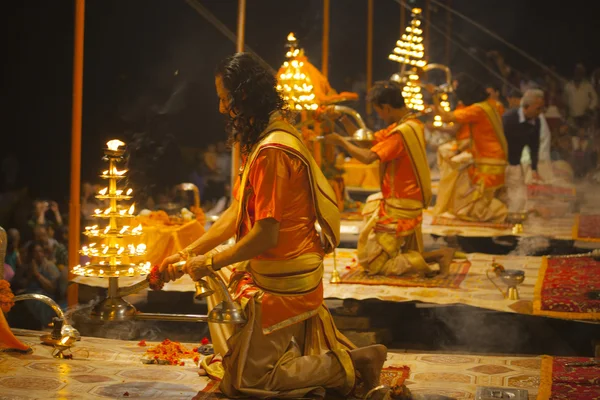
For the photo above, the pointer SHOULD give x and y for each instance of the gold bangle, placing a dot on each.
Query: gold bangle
(186, 253)
(210, 264)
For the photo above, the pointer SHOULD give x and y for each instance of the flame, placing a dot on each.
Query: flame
(129, 191)
(101, 271)
(103, 191)
(114, 144)
(118, 192)
(107, 229)
(132, 208)
(123, 229)
(107, 211)
(119, 173)
(130, 270)
(291, 37)
(64, 340)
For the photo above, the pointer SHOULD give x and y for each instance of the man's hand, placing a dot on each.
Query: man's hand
(334, 138)
(197, 267)
(41, 207)
(331, 113)
(167, 271)
(54, 207)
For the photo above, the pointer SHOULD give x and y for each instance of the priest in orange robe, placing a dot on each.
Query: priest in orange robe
(289, 347)
(391, 242)
(469, 185)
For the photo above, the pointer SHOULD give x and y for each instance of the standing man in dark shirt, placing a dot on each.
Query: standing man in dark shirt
(522, 128)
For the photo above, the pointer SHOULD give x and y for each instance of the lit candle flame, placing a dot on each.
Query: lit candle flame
(291, 37)
(107, 211)
(107, 229)
(123, 229)
(121, 250)
(129, 191)
(118, 192)
(103, 191)
(101, 271)
(132, 208)
(131, 271)
(64, 340)
(114, 144)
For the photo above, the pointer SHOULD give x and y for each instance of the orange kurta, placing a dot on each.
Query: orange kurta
(399, 180)
(486, 144)
(280, 188)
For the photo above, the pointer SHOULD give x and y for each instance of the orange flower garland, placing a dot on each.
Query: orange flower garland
(6, 296)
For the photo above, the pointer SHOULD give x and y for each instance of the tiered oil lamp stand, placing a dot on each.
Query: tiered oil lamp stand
(111, 253)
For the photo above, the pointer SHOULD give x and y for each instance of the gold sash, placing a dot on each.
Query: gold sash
(281, 135)
(414, 142)
(288, 277)
(496, 121)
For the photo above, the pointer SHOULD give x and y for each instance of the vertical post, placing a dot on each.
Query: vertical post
(325, 42)
(427, 23)
(369, 50)
(402, 19)
(74, 205)
(402, 29)
(241, 30)
(448, 33)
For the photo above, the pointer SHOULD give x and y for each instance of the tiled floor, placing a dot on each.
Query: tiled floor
(105, 368)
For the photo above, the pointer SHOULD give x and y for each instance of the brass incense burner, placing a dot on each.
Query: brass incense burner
(510, 277)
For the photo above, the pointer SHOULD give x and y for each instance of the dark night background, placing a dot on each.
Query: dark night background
(139, 52)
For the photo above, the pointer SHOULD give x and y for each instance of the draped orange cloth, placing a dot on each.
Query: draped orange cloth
(280, 189)
(486, 145)
(399, 181)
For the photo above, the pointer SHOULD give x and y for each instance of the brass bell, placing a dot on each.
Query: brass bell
(202, 290)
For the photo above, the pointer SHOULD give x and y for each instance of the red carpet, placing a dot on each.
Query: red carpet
(458, 273)
(560, 381)
(567, 288)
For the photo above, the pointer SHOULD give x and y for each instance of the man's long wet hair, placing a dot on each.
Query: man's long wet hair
(253, 97)
(386, 92)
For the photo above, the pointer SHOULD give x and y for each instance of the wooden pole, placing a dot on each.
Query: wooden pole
(241, 30)
(325, 42)
(74, 204)
(369, 50)
(448, 33)
(402, 19)
(427, 23)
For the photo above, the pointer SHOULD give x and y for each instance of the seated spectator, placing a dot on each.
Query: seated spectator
(45, 213)
(13, 257)
(38, 276)
(583, 156)
(9, 273)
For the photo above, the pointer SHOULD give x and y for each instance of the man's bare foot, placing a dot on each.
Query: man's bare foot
(368, 362)
(446, 260)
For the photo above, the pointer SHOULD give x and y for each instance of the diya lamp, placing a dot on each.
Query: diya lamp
(63, 345)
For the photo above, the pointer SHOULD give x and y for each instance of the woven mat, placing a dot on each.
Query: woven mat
(565, 288)
(559, 381)
(587, 227)
(550, 191)
(458, 272)
(391, 376)
(443, 221)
